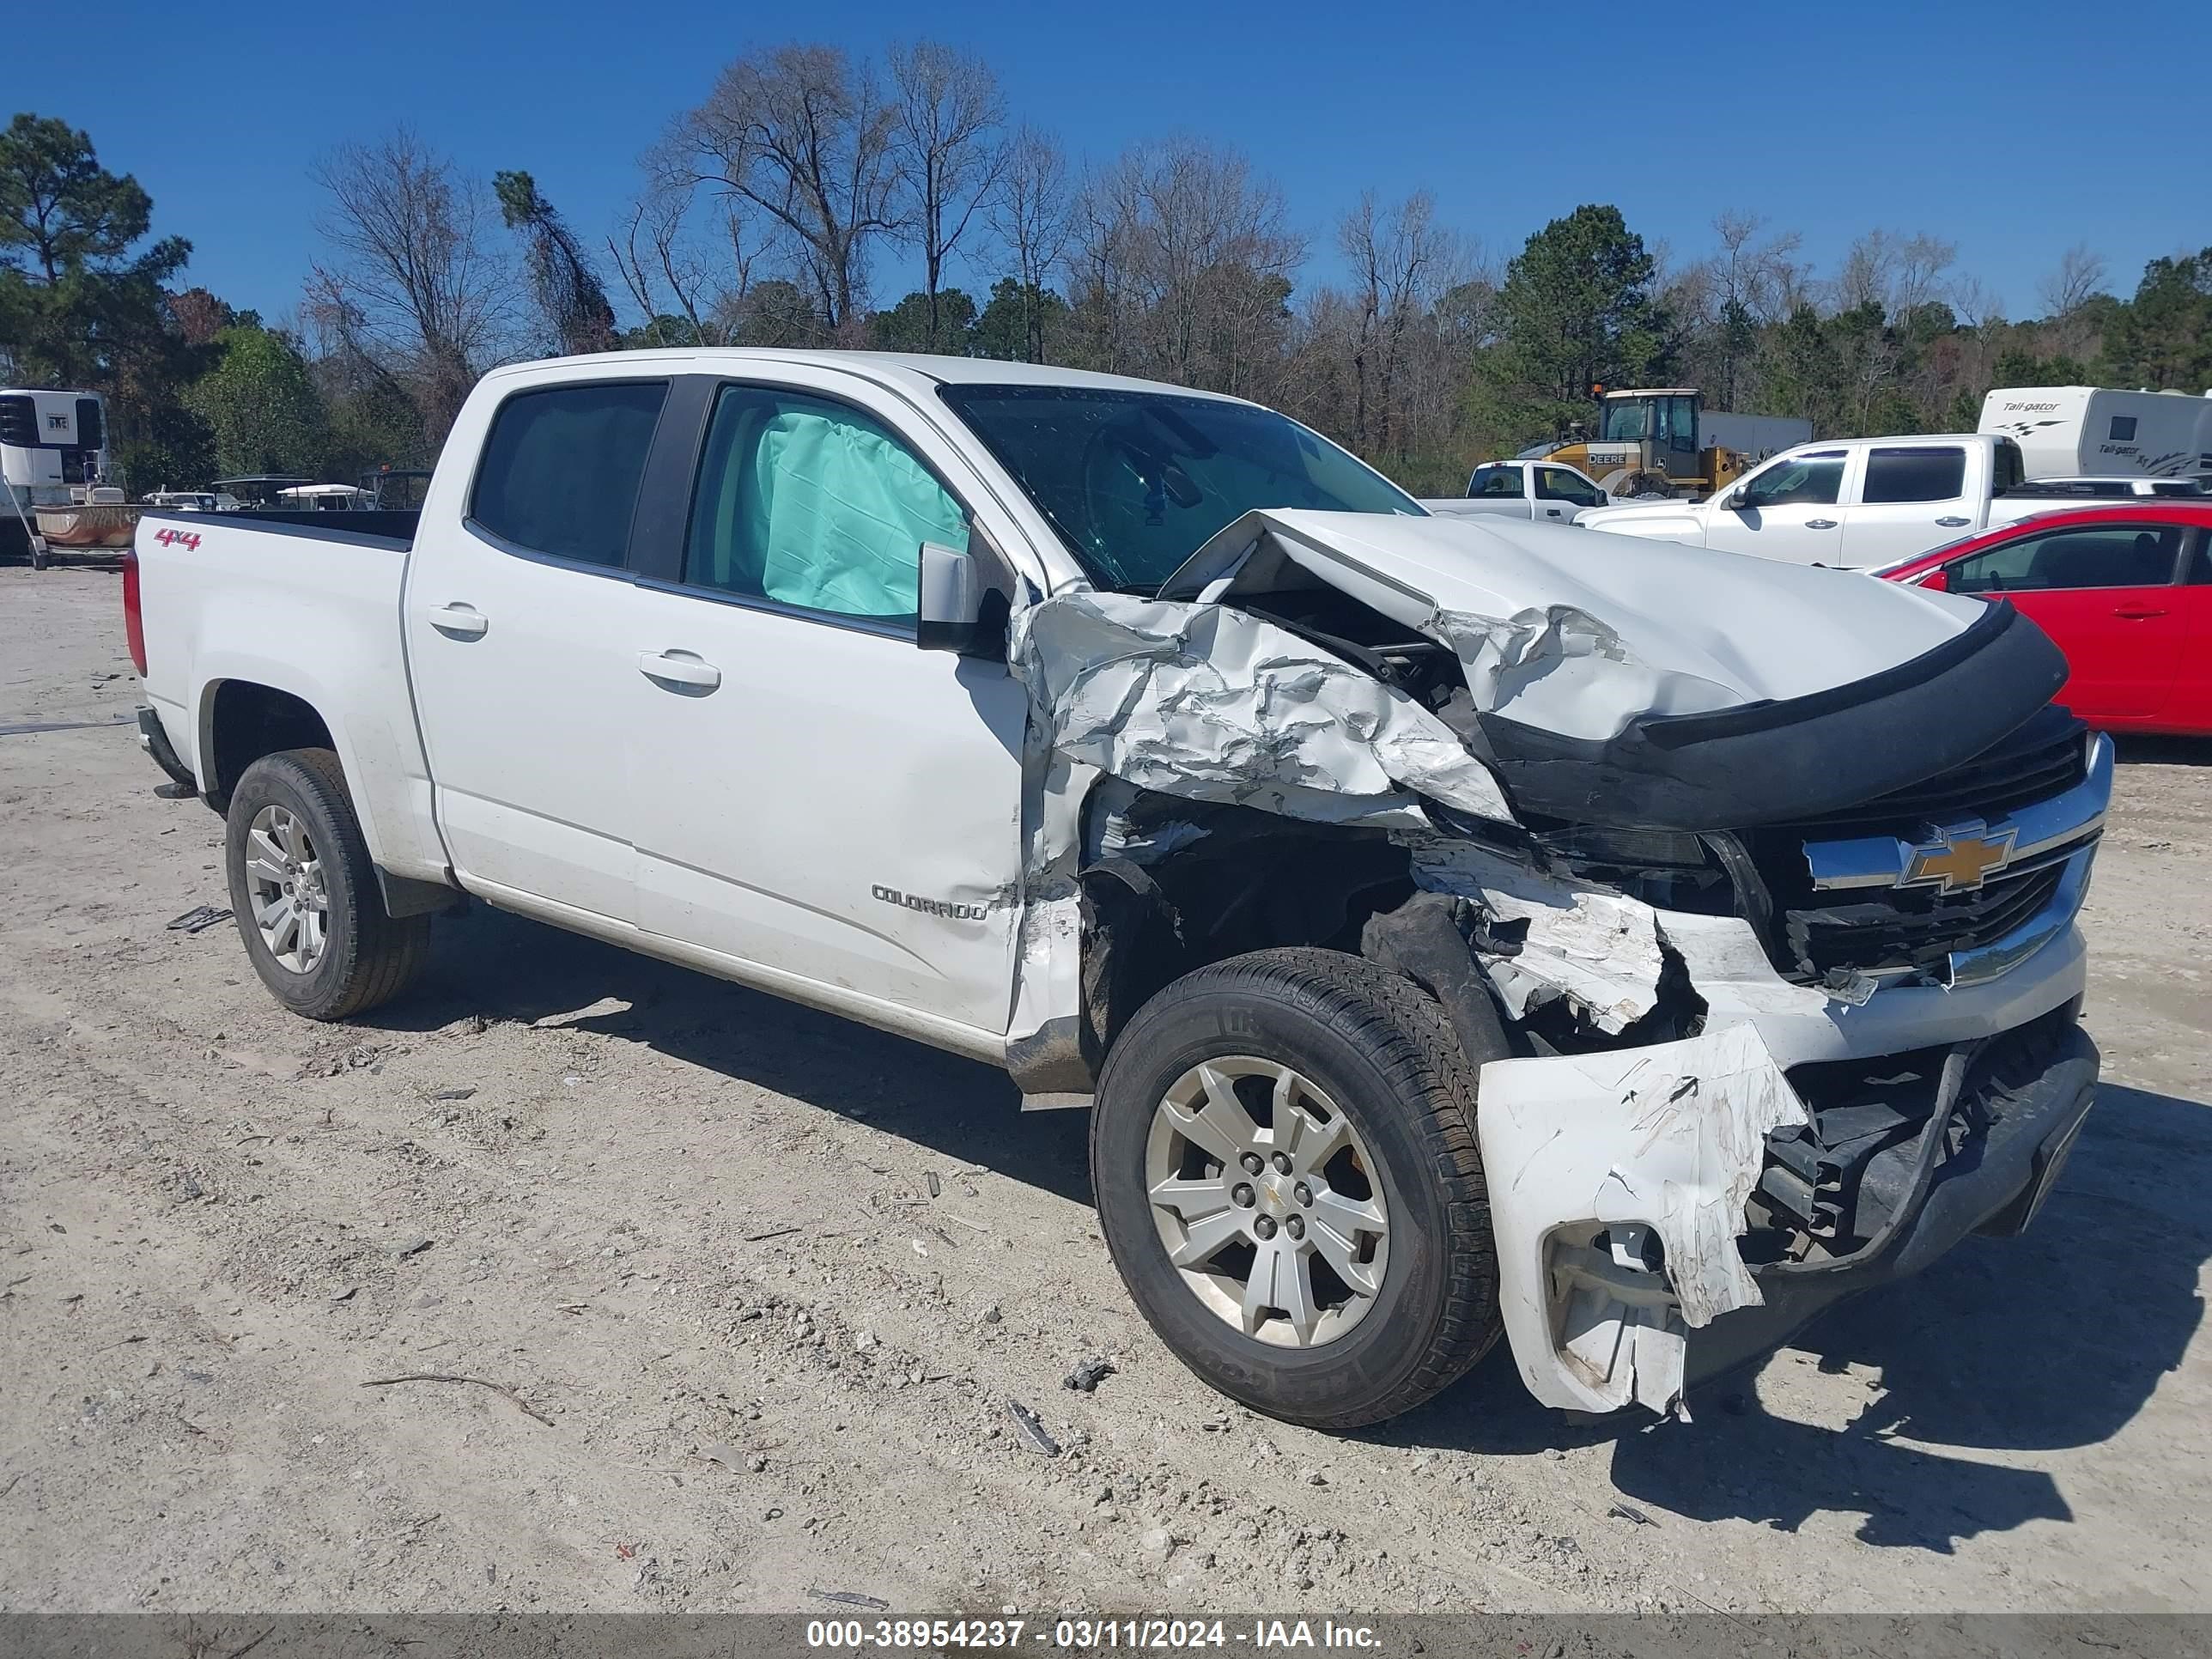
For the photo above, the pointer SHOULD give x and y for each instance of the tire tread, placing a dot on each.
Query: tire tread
(387, 952)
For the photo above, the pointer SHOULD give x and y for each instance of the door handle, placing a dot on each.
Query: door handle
(678, 668)
(462, 621)
(2137, 612)
(1820, 523)
(1953, 522)
(1551, 512)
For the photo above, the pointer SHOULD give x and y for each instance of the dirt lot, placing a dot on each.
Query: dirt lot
(768, 1280)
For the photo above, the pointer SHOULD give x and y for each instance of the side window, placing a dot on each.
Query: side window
(561, 468)
(1489, 481)
(2124, 429)
(1812, 480)
(1558, 484)
(812, 504)
(2010, 467)
(2120, 555)
(1915, 475)
(2200, 562)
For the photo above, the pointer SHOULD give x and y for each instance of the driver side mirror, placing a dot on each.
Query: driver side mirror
(955, 609)
(1737, 498)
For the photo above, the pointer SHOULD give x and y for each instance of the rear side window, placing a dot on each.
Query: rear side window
(560, 471)
(1915, 475)
(2009, 468)
(1495, 481)
(2118, 556)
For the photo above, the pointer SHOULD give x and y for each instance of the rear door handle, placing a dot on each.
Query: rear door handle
(678, 668)
(1820, 523)
(462, 621)
(1551, 512)
(2137, 612)
(1953, 522)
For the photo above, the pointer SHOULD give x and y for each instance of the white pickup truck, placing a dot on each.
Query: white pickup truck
(1535, 490)
(1455, 928)
(1858, 504)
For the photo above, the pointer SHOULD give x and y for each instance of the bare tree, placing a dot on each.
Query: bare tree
(1400, 261)
(420, 291)
(1183, 259)
(1030, 214)
(1034, 215)
(1755, 282)
(947, 113)
(679, 258)
(1898, 273)
(2079, 278)
(802, 136)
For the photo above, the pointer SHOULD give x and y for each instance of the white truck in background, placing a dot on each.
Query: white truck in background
(1539, 491)
(2066, 431)
(1852, 503)
(1633, 983)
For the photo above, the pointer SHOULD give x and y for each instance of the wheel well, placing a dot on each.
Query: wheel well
(247, 721)
(1247, 880)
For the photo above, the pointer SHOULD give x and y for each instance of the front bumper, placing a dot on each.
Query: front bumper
(1619, 1183)
(2022, 1129)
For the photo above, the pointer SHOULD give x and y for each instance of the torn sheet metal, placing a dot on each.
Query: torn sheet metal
(1208, 702)
(1671, 1137)
(1578, 635)
(1597, 949)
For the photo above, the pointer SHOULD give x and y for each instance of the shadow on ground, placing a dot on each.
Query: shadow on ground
(2051, 1340)
(505, 967)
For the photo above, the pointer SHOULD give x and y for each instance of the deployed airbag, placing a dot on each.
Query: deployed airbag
(835, 515)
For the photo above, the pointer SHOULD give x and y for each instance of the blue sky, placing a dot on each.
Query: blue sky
(2013, 130)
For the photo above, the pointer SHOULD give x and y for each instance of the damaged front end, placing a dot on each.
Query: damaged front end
(1726, 873)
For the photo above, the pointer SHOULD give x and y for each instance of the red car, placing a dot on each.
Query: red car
(2125, 588)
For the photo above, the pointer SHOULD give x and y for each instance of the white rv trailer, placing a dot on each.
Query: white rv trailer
(2066, 431)
(53, 452)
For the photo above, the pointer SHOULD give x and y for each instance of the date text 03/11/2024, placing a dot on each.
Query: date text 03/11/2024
(856, 1635)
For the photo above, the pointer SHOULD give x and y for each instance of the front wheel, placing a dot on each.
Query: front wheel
(1283, 1156)
(306, 894)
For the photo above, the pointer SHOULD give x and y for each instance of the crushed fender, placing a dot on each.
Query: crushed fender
(1208, 702)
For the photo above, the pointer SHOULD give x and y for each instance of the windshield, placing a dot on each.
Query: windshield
(1136, 482)
(1623, 422)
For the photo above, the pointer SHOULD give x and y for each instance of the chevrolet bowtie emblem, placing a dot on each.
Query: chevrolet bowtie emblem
(1957, 860)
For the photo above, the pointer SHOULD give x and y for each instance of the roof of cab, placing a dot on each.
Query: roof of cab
(908, 369)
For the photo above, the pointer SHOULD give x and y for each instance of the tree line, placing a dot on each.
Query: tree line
(767, 215)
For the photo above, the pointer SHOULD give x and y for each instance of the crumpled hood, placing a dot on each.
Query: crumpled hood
(1578, 634)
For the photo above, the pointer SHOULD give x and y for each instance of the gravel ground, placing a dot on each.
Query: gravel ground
(751, 1289)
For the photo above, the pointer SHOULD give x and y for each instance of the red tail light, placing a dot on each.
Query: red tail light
(134, 620)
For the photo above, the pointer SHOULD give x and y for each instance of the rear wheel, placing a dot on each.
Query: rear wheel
(1283, 1156)
(305, 891)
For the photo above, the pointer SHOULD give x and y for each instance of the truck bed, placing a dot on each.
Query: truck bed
(309, 609)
